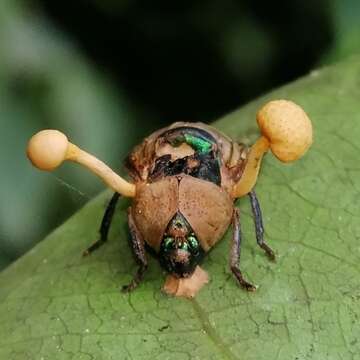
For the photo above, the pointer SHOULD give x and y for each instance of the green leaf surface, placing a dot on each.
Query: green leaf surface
(57, 305)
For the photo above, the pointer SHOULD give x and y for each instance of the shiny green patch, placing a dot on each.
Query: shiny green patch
(194, 245)
(168, 243)
(200, 145)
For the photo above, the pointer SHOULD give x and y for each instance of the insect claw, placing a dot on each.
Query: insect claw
(247, 286)
(241, 281)
(86, 253)
(271, 256)
(129, 287)
(251, 287)
(269, 252)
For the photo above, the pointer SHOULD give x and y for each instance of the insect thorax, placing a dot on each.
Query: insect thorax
(204, 163)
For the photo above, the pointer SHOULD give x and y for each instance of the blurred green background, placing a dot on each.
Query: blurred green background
(109, 72)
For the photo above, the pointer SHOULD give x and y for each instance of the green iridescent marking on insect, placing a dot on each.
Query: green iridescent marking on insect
(168, 243)
(198, 143)
(194, 244)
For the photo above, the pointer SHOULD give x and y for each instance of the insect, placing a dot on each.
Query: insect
(185, 179)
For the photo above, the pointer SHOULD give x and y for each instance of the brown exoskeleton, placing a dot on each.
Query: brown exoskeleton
(186, 178)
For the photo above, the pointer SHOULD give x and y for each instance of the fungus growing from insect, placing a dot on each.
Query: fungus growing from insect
(286, 130)
(48, 149)
(186, 178)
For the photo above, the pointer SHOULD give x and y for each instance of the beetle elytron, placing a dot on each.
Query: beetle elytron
(186, 179)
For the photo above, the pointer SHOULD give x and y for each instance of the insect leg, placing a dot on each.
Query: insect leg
(259, 227)
(138, 246)
(105, 225)
(235, 253)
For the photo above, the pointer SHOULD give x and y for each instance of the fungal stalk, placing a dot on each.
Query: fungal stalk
(48, 149)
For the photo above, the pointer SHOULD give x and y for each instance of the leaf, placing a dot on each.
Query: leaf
(57, 305)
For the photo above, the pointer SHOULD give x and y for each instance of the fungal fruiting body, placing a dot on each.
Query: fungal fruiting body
(186, 178)
(186, 287)
(286, 130)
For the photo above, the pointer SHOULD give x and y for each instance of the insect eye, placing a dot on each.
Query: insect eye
(193, 243)
(168, 243)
